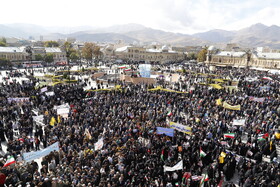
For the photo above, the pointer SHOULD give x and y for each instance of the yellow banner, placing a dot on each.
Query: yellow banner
(181, 128)
(228, 106)
(216, 86)
(163, 89)
(218, 80)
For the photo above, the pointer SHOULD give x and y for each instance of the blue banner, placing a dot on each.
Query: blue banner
(166, 131)
(145, 70)
(28, 157)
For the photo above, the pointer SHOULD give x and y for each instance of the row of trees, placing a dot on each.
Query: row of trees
(47, 57)
(88, 52)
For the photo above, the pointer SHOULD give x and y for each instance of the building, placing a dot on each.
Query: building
(108, 52)
(265, 60)
(13, 53)
(19, 54)
(160, 55)
(58, 54)
(228, 58)
(256, 58)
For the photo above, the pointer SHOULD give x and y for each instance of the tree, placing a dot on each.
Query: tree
(28, 49)
(51, 44)
(201, 56)
(88, 51)
(49, 58)
(3, 42)
(96, 51)
(74, 55)
(39, 57)
(192, 56)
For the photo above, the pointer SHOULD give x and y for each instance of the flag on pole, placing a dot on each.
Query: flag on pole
(169, 113)
(204, 179)
(178, 166)
(267, 78)
(122, 66)
(162, 155)
(202, 153)
(218, 102)
(262, 137)
(99, 144)
(185, 177)
(229, 135)
(87, 133)
(10, 160)
(58, 119)
(53, 121)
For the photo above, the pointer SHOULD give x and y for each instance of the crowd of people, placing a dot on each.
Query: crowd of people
(133, 153)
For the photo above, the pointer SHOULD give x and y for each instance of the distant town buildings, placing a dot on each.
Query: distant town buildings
(16, 54)
(261, 57)
(232, 55)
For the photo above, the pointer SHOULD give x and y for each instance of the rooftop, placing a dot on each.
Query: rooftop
(266, 55)
(122, 49)
(231, 53)
(11, 49)
(53, 50)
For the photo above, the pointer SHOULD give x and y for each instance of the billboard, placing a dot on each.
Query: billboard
(145, 70)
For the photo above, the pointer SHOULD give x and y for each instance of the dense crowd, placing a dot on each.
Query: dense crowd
(133, 153)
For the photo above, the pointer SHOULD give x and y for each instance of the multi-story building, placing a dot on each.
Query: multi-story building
(18, 54)
(58, 54)
(265, 60)
(229, 58)
(13, 53)
(162, 55)
(245, 59)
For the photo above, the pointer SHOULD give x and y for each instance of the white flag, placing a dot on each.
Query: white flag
(99, 144)
(178, 166)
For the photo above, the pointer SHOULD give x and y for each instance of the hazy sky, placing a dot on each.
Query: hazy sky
(185, 16)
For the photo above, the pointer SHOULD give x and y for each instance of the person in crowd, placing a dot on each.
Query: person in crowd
(132, 152)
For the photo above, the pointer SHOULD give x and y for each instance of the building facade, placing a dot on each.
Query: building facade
(19, 54)
(162, 55)
(13, 53)
(265, 60)
(245, 59)
(229, 58)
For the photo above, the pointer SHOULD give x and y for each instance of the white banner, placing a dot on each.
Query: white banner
(98, 145)
(49, 93)
(18, 99)
(66, 105)
(39, 119)
(28, 157)
(44, 89)
(62, 111)
(178, 166)
(239, 122)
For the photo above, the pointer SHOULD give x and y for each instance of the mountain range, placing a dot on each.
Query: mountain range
(252, 36)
